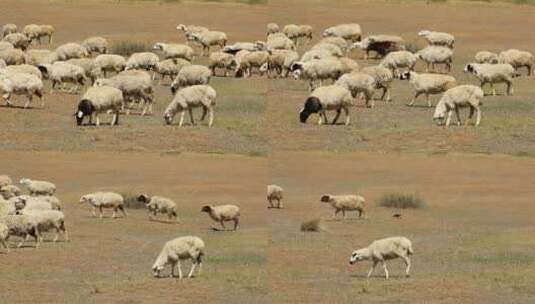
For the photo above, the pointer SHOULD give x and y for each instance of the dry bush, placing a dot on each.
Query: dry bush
(401, 201)
(315, 225)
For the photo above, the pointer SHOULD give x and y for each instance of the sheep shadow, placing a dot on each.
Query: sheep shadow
(18, 107)
(162, 221)
(378, 276)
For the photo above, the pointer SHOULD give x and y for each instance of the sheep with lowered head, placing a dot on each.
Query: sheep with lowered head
(47, 220)
(358, 83)
(517, 59)
(47, 30)
(327, 98)
(223, 213)
(274, 193)
(486, 57)
(8, 28)
(191, 97)
(186, 247)
(142, 60)
(221, 60)
(400, 59)
(189, 75)
(18, 40)
(71, 50)
(38, 56)
(456, 98)
(280, 62)
(96, 45)
(174, 50)
(21, 84)
(134, 89)
(12, 56)
(351, 32)
(103, 200)
(432, 55)
(251, 60)
(385, 249)
(346, 202)
(159, 204)
(37, 187)
(98, 100)
(62, 73)
(23, 226)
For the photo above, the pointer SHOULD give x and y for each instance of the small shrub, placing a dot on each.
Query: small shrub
(401, 201)
(127, 47)
(315, 225)
(131, 202)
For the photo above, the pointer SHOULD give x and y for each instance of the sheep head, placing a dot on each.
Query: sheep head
(206, 208)
(359, 255)
(325, 198)
(312, 105)
(144, 198)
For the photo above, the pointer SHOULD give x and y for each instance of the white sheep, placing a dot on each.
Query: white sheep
(351, 31)
(399, 59)
(457, 97)
(39, 202)
(251, 60)
(21, 84)
(47, 220)
(432, 55)
(438, 38)
(23, 226)
(345, 202)
(18, 40)
(37, 57)
(188, 29)
(71, 50)
(103, 200)
(191, 75)
(428, 84)
(279, 41)
(169, 68)
(358, 83)
(294, 32)
(339, 41)
(12, 56)
(9, 28)
(317, 70)
(272, 28)
(383, 250)
(98, 100)
(32, 31)
(493, 73)
(208, 39)
(143, 60)
(175, 50)
(37, 187)
(63, 73)
(333, 49)
(380, 44)
(134, 88)
(4, 45)
(383, 79)
(517, 59)
(4, 235)
(96, 45)
(275, 193)
(186, 247)
(191, 97)
(222, 60)
(9, 191)
(158, 204)
(23, 68)
(486, 57)
(223, 213)
(241, 46)
(316, 54)
(327, 98)
(280, 62)
(47, 30)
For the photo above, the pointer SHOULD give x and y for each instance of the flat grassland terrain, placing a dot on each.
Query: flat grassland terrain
(473, 238)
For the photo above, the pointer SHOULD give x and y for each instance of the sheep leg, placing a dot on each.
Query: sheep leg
(270, 203)
(190, 112)
(25, 239)
(123, 211)
(449, 118)
(223, 224)
(493, 89)
(335, 213)
(457, 114)
(204, 111)
(348, 118)
(28, 102)
(179, 270)
(338, 112)
(478, 116)
(56, 237)
(98, 120)
(414, 99)
(193, 266)
(428, 100)
(386, 270)
(372, 269)
(472, 110)
(94, 212)
(236, 223)
(173, 267)
(211, 115)
(100, 211)
(408, 263)
(181, 118)
(343, 214)
(279, 204)
(509, 88)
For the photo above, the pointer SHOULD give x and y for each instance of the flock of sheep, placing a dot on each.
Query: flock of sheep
(22, 70)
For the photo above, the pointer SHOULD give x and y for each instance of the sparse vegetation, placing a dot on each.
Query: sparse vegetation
(314, 225)
(131, 202)
(401, 201)
(128, 47)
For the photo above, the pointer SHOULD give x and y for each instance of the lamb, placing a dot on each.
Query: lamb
(37, 57)
(9, 191)
(358, 83)
(21, 84)
(274, 193)
(71, 50)
(12, 56)
(455, 98)
(280, 62)
(9, 28)
(102, 200)
(223, 213)
(18, 40)
(380, 44)
(208, 39)
(62, 73)
(143, 60)
(191, 75)
(432, 55)
(486, 57)
(428, 84)
(174, 50)
(250, 61)
(4, 235)
(327, 98)
(222, 60)
(5, 180)
(98, 100)
(517, 59)
(37, 187)
(383, 79)
(47, 220)
(348, 202)
(314, 70)
(23, 226)
(191, 97)
(170, 67)
(133, 88)
(383, 250)
(159, 204)
(23, 68)
(186, 247)
(493, 73)
(399, 59)
(110, 63)
(438, 38)
(351, 32)
(96, 45)
(272, 28)
(47, 30)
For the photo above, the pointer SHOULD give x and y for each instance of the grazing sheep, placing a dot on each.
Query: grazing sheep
(102, 200)
(98, 100)
(186, 247)
(340, 42)
(223, 213)
(37, 187)
(9, 191)
(278, 41)
(222, 60)
(251, 60)
(170, 67)
(438, 38)
(383, 79)
(32, 31)
(18, 40)
(493, 73)
(486, 57)
(191, 97)
(91, 71)
(23, 226)
(428, 84)
(96, 45)
(12, 56)
(280, 62)
(4, 235)
(40, 202)
(47, 30)
(110, 63)
(21, 84)
(517, 59)
(63, 73)
(240, 46)
(333, 49)
(380, 44)
(158, 204)
(47, 220)
(317, 70)
(455, 98)
(272, 28)
(71, 50)
(349, 65)
(9, 28)
(23, 68)
(316, 54)
(174, 50)
(4, 45)
(399, 59)
(327, 98)
(143, 60)
(383, 250)
(37, 57)
(191, 75)
(351, 32)
(208, 39)
(358, 83)
(274, 193)
(432, 55)
(5, 180)
(294, 32)
(191, 29)
(345, 203)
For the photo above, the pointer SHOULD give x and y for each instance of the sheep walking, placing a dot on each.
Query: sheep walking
(191, 97)
(455, 98)
(328, 98)
(36, 187)
(21, 84)
(222, 214)
(275, 193)
(99, 100)
(493, 73)
(345, 203)
(23, 226)
(383, 250)
(47, 220)
(186, 247)
(159, 204)
(102, 200)
(517, 59)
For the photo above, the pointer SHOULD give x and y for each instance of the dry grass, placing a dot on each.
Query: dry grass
(314, 225)
(129, 47)
(401, 201)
